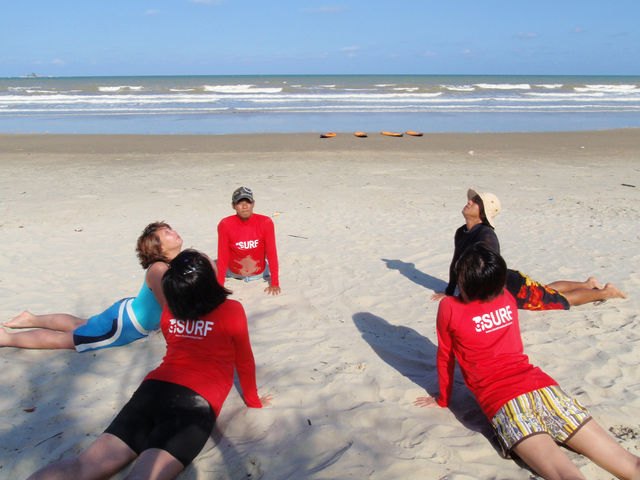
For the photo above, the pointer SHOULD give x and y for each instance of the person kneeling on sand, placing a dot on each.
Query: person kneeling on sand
(125, 321)
(526, 407)
(478, 213)
(170, 416)
(247, 244)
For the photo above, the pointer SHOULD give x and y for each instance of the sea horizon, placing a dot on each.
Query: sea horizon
(223, 104)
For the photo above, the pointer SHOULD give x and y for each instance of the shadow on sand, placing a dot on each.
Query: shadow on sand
(414, 356)
(410, 271)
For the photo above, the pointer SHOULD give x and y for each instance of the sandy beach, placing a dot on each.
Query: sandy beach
(365, 236)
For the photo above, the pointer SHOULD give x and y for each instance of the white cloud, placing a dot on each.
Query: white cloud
(58, 61)
(579, 30)
(527, 35)
(350, 49)
(325, 9)
(151, 12)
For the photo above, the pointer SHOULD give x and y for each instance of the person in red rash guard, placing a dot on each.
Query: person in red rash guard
(169, 418)
(247, 244)
(529, 412)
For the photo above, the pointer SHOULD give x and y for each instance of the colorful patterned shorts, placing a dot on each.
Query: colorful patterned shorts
(547, 410)
(532, 295)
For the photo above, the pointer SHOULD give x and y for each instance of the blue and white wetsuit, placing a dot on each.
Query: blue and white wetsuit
(123, 322)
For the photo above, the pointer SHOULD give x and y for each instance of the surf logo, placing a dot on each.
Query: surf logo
(249, 244)
(190, 328)
(495, 320)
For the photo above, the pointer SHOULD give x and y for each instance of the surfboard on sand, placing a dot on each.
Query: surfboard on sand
(392, 134)
(328, 135)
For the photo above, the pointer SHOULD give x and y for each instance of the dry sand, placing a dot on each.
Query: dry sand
(365, 235)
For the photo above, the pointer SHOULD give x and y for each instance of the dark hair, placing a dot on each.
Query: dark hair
(482, 273)
(190, 286)
(483, 216)
(149, 247)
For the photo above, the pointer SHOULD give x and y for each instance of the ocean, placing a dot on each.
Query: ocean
(317, 103)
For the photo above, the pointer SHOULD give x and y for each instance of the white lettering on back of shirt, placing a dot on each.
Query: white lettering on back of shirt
(197, 329)
(495, 320)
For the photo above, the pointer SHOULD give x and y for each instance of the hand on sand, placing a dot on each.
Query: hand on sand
(438, 296)
(426, 402)
(265, 400)
(272, 290)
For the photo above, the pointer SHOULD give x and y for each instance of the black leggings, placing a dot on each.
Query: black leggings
(166, 416)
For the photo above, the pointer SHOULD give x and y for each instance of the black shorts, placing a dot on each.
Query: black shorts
(167, 416)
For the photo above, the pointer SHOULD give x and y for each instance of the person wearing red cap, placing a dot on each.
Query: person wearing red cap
(247, 244)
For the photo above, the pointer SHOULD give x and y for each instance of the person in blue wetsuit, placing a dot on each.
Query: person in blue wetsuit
(125, 321)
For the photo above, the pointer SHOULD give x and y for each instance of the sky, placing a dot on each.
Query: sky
(236, 37)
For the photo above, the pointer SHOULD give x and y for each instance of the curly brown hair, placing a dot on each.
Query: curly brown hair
(149, 248)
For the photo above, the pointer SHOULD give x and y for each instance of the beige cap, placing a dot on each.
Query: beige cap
(490, 201)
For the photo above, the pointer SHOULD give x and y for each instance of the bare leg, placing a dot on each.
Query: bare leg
(593, 442)
(37, 338)
(542, 454)
(588, 295)
(155, 464)
(106, 456)
(54, 321)
(566, 285)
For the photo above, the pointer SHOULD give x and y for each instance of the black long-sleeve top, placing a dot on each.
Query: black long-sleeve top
(465, 238)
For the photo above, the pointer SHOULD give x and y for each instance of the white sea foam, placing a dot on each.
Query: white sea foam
(106, 100)
(122, 110)
(566, 95)
(44, 92)
(354, 97)
(452, 95)
(20, 89)
(503, 86)
(630, 88)
(459, 88)
(240, 89)
(118, 88)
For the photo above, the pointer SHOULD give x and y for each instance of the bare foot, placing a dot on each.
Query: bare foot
(591, 282)
(612, 291)
(24, 320)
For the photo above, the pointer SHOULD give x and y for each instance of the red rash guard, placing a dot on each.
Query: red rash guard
(485, 339)
(244, 245)
(201, 355)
